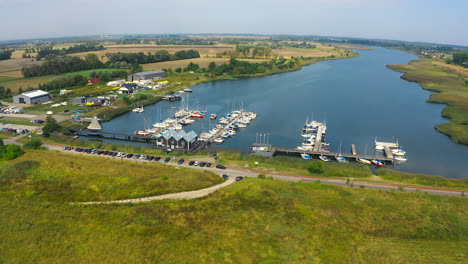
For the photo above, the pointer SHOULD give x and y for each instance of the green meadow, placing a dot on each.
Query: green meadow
(251, 221)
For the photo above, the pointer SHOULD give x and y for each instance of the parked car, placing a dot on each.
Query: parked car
(196, 163)
(208, 164)
(202, 164)
(157, 158)
(219, 166)
(181, 161)
(225, 176)
(167, 160)
(191, 163)
(239, 178)
(150, 158)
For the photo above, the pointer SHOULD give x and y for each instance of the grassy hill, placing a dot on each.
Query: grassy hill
(252, 221)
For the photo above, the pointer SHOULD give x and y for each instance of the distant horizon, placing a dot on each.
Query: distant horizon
(428, 21)
(227, 34)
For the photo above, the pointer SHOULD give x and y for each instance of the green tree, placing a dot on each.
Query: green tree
(50, 126)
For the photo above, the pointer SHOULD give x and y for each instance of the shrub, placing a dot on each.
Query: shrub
(33, 144)
(164, 177)
(12, 152)
(316, 167)
(261, 176)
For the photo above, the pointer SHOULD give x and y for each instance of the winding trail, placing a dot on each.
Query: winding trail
(174, 196)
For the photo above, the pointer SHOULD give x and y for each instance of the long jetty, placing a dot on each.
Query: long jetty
(387, 158)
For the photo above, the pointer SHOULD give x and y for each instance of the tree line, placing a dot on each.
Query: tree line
(246, 52)
(116, 59)
(5, 54)
(78, 80)
(238, 67)
(461, 58)
(64, 64)
(5, 92)
(49, 52)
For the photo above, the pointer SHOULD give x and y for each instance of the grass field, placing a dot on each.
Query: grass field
(252, 221)
(449, 82)
(65, 177)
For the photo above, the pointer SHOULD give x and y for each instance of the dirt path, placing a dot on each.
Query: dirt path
(173, 196)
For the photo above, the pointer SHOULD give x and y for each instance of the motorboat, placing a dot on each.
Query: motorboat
(187, 90)
(377, 163)
(225, 135)
(197, 114)
(142, 133)
(400, 159)
(186, 121)
(364, 161)
(138, 110)
(324, 158)
(218, 140)
(379, 147)
(306, 156)
(213, 116)
(398, 152)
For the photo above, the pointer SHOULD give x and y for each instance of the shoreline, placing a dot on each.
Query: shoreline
(455, 104)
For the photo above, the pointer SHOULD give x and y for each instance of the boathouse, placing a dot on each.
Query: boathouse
(32, 97)
(177, 139)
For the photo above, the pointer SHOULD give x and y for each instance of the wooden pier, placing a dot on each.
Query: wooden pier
(333, 154)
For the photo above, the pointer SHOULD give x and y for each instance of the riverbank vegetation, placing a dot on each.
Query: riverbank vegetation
(450, 83)
(254, 220)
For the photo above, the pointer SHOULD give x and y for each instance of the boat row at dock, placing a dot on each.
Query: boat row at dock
(313, 136)
(227, 126)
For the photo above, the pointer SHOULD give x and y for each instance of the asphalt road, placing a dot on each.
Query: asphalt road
(233, 171)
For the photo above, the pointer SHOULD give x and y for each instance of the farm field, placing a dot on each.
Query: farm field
(15, 65)
(145, 48)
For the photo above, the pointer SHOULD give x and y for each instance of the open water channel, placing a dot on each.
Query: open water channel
(359, 98)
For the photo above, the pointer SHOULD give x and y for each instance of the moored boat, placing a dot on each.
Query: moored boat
(364, 161)
(377, 163)
(341, 159)
(324, 158)
(306, 156)
(213, 116)
(400, 159)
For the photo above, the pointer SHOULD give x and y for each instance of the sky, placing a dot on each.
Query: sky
(435, 21)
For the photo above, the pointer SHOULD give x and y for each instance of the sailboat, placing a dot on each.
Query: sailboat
(340, 158)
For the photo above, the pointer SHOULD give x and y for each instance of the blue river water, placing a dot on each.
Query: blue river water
(359, 98)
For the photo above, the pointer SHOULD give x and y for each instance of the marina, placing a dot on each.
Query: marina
(283, 102)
